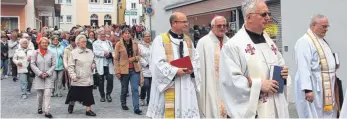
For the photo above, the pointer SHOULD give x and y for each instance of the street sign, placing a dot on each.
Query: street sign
(149, 11)
(131, 13)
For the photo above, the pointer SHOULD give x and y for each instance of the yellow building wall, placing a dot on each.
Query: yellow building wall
(122, 12)
(83, 15)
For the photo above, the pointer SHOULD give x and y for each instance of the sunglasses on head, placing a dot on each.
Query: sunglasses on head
(264, 14)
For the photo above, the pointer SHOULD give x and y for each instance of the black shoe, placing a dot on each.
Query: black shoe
(108, 97)
(138, 111)
(95, 87)
(102, 99)
(125, 107)
(15, 79)
(70, 109)
(48, 115)
(39, 111)
(90, 113)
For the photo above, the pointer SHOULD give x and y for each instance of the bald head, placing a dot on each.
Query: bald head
(175, 16)
(179, 22)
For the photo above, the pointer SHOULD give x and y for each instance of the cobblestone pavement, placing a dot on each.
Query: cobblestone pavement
(12, 106)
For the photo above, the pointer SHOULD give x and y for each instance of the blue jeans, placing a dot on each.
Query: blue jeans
(4, 66)
(134, 78)
(23, 77)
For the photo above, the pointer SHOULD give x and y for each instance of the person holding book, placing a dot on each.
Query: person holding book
(127, 68)
(173, 92)
(247, 89)
(316, 85)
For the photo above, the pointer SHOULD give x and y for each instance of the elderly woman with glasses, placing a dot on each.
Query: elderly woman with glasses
(145, 53)
(43, 64)
(22, 58)
(80, 67)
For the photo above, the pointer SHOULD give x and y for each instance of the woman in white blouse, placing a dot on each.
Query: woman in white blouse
(145, 53)
(22, 58)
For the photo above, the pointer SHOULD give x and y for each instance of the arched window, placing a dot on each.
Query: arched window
(94, 20)
(107, 19)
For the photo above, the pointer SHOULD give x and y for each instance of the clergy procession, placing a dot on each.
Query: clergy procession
(244, 76)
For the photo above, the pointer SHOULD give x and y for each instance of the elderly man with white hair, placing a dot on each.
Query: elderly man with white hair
(247, 87)
(316, 86)
(209, 46)
(21, 58)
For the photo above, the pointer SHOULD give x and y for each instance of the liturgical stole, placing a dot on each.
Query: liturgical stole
(324, 66)
(170, 92)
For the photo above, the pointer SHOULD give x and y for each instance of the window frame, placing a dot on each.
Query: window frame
(60, 1)
(111, 2)
(67, 18)
(97, 1)
(132, 5)
(61, 19)
(67, 2)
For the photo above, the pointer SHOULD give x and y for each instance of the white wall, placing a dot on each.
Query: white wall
(295, 22)
(68, 9)
(160, 18)
(128, 18)
(30, 19)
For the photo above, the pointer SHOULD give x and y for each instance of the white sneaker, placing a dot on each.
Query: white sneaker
(24, 96)
(142, 102)
(28, 92)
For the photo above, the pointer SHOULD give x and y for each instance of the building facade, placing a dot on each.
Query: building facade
(201, 13)
(97, 12)
(20, 14)
(134, 12)
(67, 17)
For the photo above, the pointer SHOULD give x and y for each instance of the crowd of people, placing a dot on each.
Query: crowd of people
(229, 78)
(79, 60)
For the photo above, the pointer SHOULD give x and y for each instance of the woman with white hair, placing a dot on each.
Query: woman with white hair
(30, 44)
(145, 53)
(80, 67)
(22, 58)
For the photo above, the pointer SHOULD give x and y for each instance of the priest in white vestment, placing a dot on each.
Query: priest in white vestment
(246, 87)
(210, 103)
(166, 76)
(316, 66)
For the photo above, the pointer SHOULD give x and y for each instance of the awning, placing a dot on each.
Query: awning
(13, 2)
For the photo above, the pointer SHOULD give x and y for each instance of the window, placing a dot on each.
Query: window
(60, 1)
(93, 1)
(134, 21)
(68, 1)
(68, 18)
(133, 5)
(61, 19)
(107, 1)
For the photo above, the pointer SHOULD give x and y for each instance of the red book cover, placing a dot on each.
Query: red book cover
(183, 63)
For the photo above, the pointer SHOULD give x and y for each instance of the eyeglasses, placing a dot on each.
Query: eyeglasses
(221, 26)
(147, 36)
(182, 22)
(324, 26)
(264, 14)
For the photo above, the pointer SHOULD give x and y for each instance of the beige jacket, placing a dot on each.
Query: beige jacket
(21, 56)
(67, 52)
(80, 67)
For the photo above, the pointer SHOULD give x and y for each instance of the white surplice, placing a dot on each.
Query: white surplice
(209, 98)
(308, 76)
(186, 105)
(241, 58)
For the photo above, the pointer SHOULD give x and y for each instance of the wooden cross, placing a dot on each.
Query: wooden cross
(274, 49)
(250, 49)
